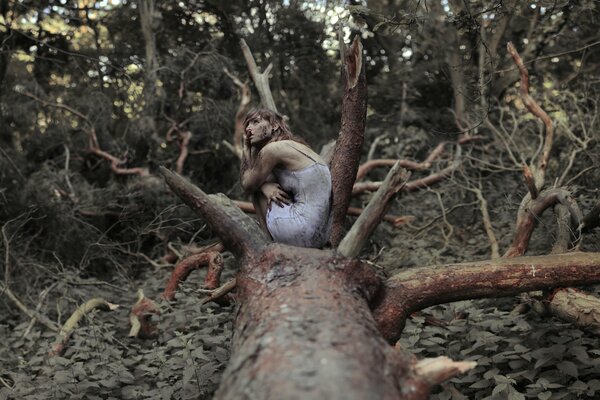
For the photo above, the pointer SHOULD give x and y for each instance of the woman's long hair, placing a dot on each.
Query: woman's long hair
(281, 129)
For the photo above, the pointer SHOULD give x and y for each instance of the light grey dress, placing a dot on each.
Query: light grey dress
(305, 222)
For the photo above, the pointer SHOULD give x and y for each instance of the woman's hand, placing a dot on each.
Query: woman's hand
(274, 193)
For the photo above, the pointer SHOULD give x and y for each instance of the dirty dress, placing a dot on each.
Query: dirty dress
(305, 222)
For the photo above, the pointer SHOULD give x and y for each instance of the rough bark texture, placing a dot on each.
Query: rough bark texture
(418, 288)
(304, 331)
(346, 158)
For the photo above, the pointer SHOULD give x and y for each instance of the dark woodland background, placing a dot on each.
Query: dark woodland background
(82, 81)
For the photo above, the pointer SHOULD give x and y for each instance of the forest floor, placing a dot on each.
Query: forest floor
(518, 355)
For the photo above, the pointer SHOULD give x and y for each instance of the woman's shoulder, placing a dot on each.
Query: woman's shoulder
(282, 146)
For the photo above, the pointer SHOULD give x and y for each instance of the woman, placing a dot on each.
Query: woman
(291, 184)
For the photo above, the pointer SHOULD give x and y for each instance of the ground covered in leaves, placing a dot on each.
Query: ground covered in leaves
(519, 356)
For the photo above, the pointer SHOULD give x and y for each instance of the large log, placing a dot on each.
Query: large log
(304, 331)
(417, 288)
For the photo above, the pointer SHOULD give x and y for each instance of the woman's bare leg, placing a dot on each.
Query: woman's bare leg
(260, 203)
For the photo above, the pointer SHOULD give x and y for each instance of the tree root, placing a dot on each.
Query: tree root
(140, 317)
(67, 329)
(213, 259)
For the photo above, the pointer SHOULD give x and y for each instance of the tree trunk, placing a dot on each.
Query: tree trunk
(304, 331)
(346, 157)
(304, 327)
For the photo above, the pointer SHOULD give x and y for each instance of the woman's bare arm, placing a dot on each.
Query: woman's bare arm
(258, 169)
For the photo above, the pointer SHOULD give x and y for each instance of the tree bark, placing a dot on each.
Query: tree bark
(417, 288)
(303, 326)
(309, 322)
(304, 331)
(346, 158)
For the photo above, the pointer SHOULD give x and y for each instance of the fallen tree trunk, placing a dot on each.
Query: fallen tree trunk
(305, 328)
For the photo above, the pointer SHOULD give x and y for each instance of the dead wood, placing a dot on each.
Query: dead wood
(417, 288)
(42, 319)
(536, 110)
(439, 369)
(212, 259)
(303, 327)
(67, 329)
(260, 79)
(577, 307)
(346, 157)
(379, 204)
(304, 330)
(141, 315)
(238, 232)
(219, 292)
(531, 210)
(244, 107)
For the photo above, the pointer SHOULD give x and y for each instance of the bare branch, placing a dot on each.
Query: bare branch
(364, 226)
(529, 212)
(67, 330)
(245, 99)
(261, 80)
(418, 288)
(212, 259)
(238, 232)
(536, 110)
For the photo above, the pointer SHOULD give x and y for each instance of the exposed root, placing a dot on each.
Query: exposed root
(67, 330)
(213, 259)
(140, 317)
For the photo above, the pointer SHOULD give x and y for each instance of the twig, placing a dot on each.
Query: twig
(67, 180)
(487, 224)
(220, 291)
(43, 296)
(31, 314)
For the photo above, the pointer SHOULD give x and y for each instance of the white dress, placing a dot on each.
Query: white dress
(306, 221)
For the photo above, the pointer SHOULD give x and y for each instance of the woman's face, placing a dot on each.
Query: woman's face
(259, 131)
